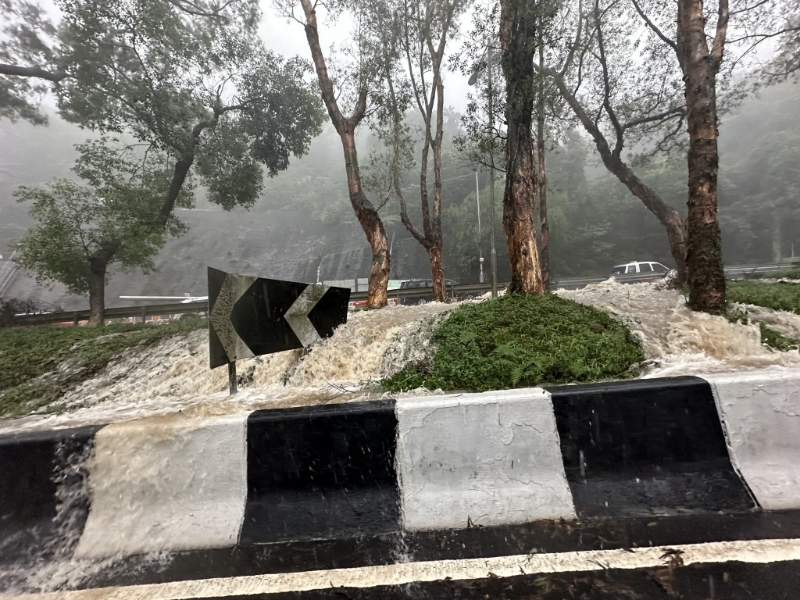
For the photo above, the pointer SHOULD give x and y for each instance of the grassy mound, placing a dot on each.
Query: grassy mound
(778, 296)
(39, 364)
(520, 341)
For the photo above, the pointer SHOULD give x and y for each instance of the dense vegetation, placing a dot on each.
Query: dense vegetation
(778, 296)
(39, 364)
(520, 341)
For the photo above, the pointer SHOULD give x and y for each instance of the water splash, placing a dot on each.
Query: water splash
(173, 375)
(680, 341)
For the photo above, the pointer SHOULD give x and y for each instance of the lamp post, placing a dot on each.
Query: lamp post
(480, 251)
(472, 80)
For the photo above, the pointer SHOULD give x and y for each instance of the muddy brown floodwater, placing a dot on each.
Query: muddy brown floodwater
(173, 376)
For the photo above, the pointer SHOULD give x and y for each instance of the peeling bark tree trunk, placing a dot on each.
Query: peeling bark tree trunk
(518, 40)
(97, 291)
(705, 272)
(370, 221)
(367, 215)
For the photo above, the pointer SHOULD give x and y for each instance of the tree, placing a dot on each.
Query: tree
(700, 57)
(364, 82)
(190, 79)
(620, 105)
(36, 53)
(518, 41)
(84, 229)
(415, 32)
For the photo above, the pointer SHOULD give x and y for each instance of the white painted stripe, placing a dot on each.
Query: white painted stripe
(761, 416)
(759, 551)
(166, 483)
(491, 458)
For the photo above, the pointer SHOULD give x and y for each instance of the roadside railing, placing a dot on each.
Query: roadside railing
(405, 296)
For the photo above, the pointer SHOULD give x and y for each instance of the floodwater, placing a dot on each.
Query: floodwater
(173, 376)
(679, 341)
(171, 386)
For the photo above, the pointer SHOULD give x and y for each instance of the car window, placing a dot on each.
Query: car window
(645, 268)
(618, 270)
(631, 269)
(659, 268)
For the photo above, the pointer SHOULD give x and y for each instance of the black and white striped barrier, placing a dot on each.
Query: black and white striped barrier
(660, 447)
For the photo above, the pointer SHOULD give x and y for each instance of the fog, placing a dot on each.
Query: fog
(303, 227)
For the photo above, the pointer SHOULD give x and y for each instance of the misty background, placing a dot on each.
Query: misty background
(303, 227)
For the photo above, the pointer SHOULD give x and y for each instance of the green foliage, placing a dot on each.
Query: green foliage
(520, 341)
(193, 79)
(39, 364)
(26, 40)
(776, 340)
(116, 209)
(778, 296)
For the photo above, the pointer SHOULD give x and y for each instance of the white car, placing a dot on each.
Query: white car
(644, 268)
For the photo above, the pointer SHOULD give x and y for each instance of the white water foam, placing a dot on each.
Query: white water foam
(680, 341)
(173, 376)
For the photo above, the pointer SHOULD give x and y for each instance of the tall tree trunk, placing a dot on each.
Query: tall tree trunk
(704, 265)
(540, 155)
(437, 273)
(518, 40)
(367, 215)
(97, 291)
(371, 224)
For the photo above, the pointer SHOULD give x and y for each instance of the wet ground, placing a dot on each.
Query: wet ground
(54, 569)
(173, 377)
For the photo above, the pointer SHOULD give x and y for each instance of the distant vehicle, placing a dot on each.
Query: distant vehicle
(408, 284)
(644, 267)
(639, 272)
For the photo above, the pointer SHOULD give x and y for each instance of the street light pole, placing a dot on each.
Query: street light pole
(478, 199)
(493, 257)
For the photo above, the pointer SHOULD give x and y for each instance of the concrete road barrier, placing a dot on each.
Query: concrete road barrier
(656, 447)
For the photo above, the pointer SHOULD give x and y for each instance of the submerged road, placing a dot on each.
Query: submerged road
(763, 569)
(753, 556)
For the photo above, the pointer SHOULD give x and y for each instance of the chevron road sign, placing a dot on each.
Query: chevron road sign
(249, 316)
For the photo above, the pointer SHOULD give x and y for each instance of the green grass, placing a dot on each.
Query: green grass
(778, 296)
(523, 340)
(39, 364)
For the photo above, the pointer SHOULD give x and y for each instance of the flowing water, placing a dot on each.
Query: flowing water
(174, 376)
(679, 341)
(171, 386)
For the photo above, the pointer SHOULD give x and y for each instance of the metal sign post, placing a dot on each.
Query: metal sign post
(233, 386)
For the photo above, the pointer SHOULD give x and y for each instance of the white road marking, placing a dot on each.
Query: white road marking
(759, 551)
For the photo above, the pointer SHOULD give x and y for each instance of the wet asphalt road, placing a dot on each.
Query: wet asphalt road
(219, 573)
(728, 581)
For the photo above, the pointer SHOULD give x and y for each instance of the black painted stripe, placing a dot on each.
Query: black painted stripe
(44, 499)
(652, 446)
(321, 472)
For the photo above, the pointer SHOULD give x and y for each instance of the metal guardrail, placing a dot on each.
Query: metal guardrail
(124, 312)
(406, 296)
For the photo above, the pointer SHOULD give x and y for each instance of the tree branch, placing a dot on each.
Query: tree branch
(677, 111)
(718, 47)
(34, 72)
(671, 43)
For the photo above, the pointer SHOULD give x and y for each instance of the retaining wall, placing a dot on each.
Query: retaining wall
(661, 447)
